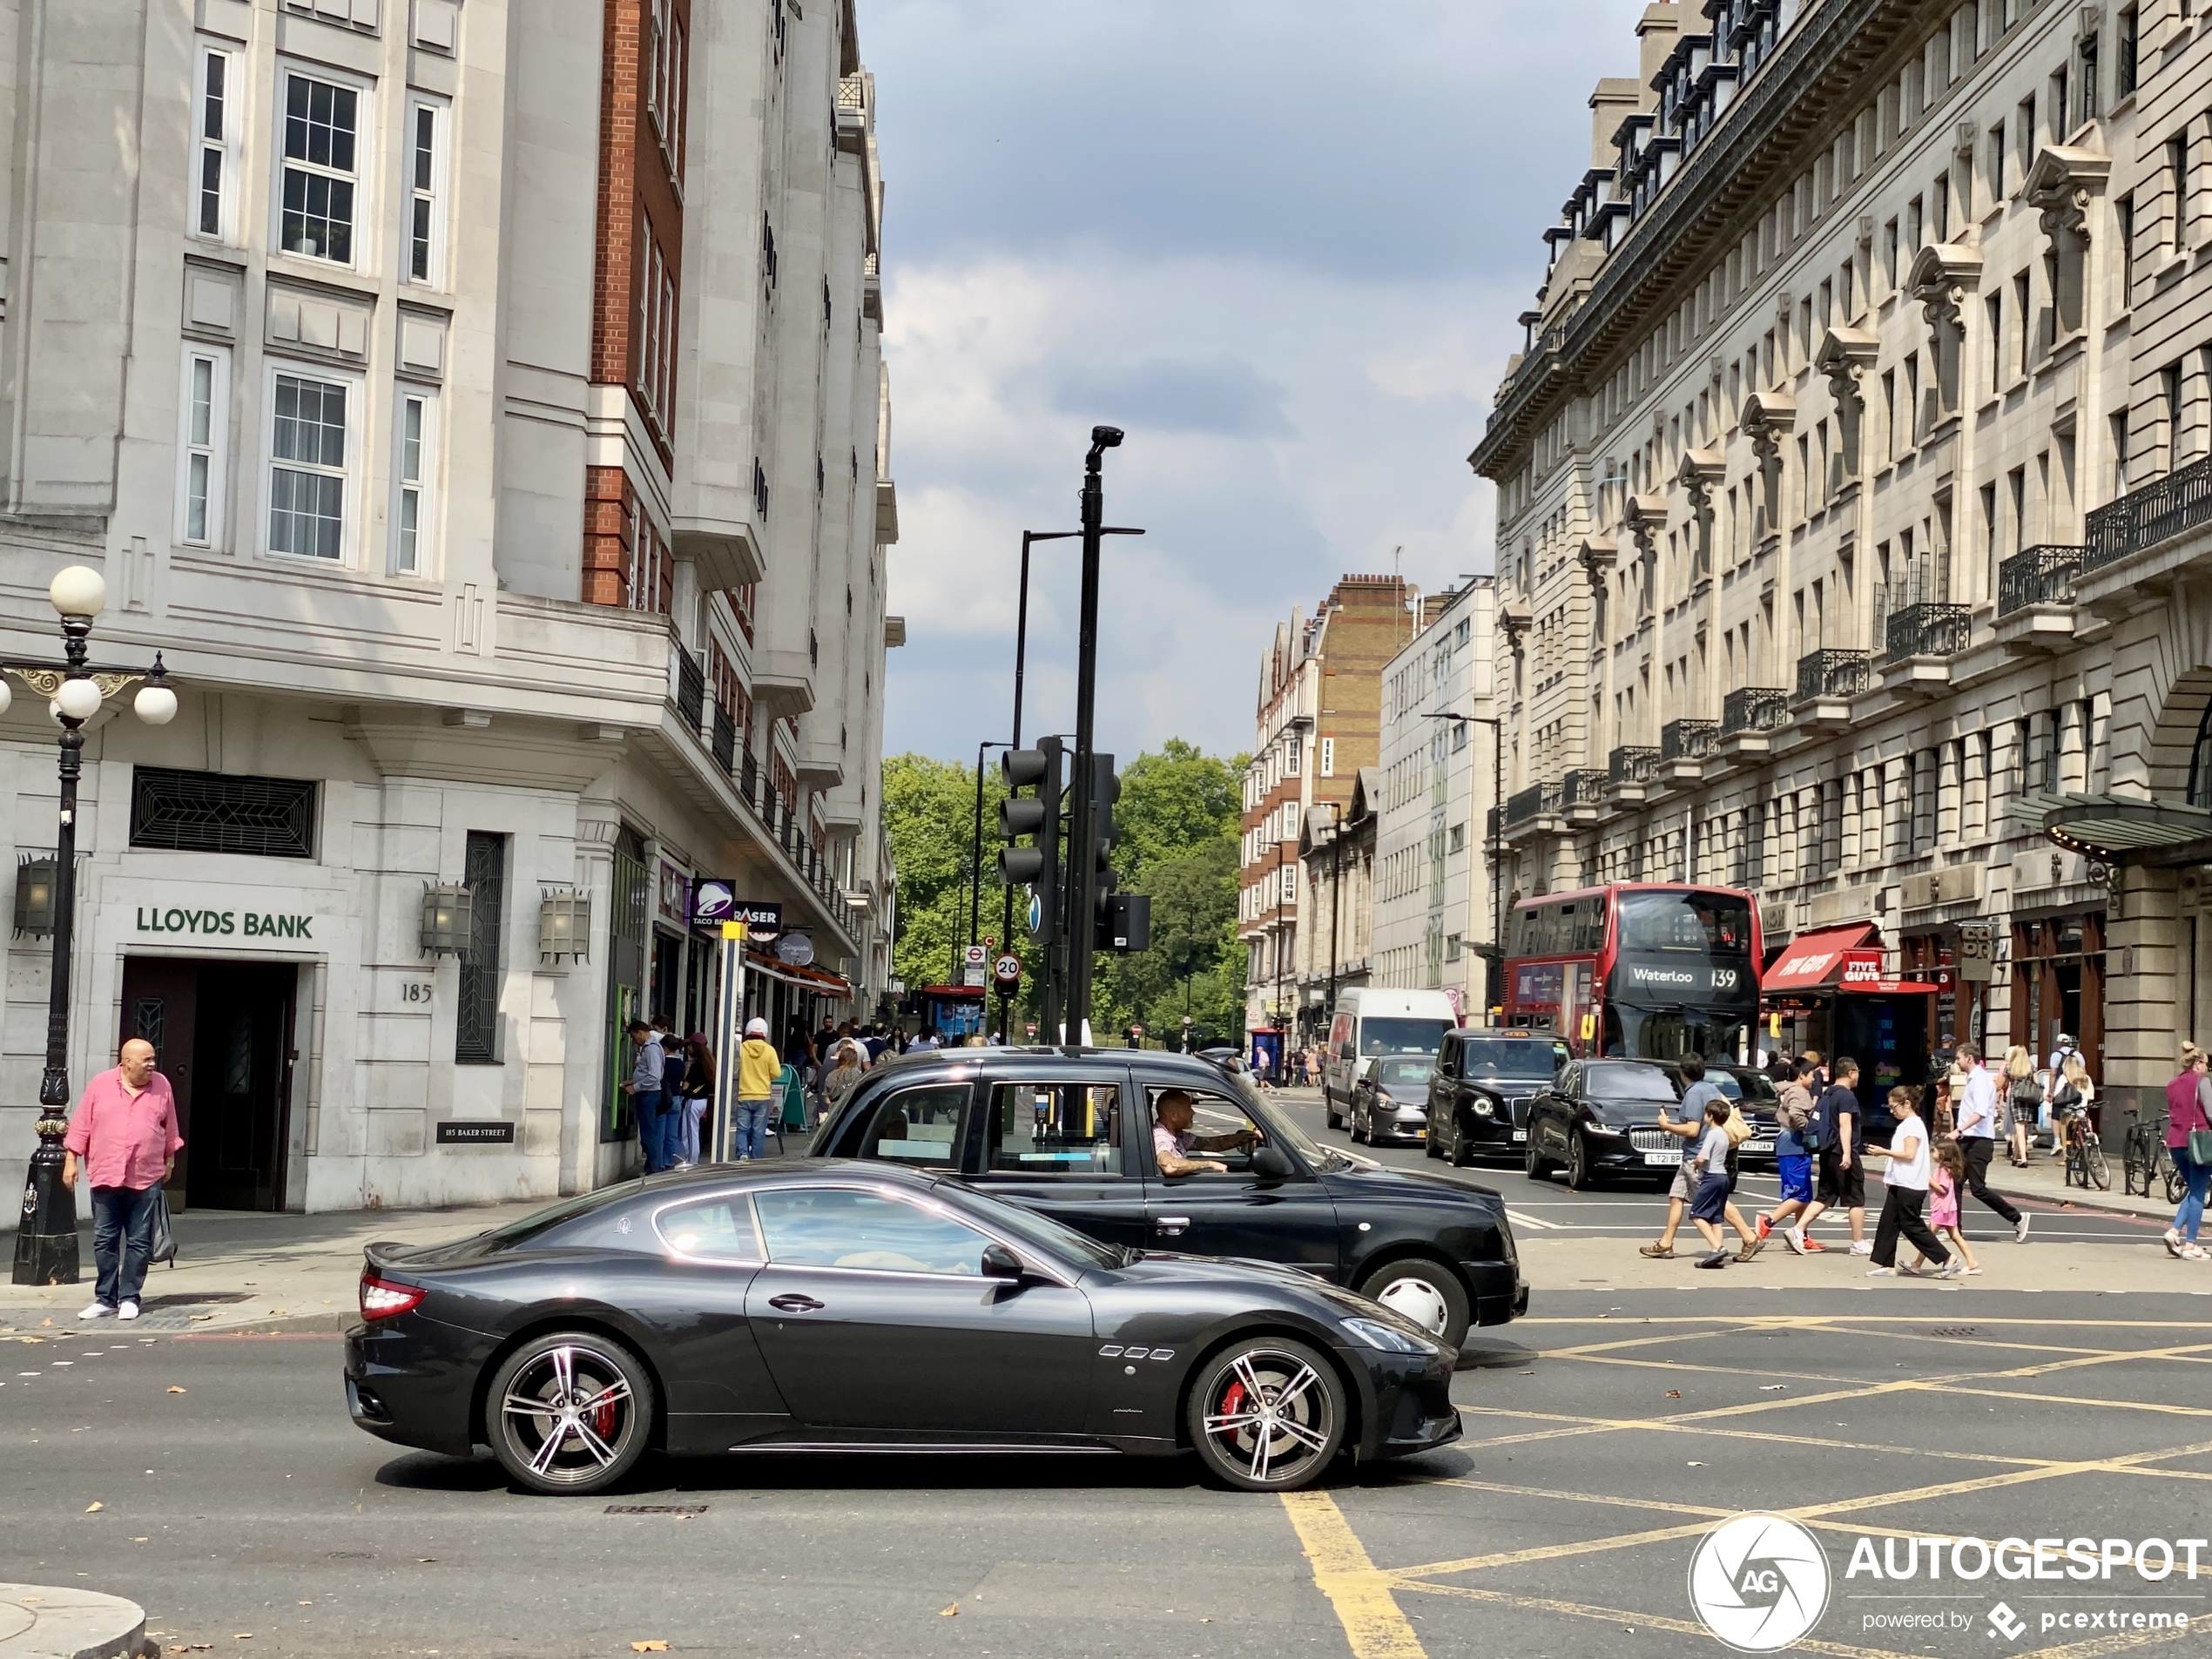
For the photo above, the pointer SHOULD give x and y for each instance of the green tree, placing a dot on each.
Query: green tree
(929, 813)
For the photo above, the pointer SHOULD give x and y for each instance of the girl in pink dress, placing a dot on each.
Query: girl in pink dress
(1943, 1182)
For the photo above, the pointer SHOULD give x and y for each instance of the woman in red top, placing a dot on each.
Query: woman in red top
(2188, 1106)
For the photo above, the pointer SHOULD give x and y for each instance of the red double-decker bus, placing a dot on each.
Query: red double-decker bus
(1646, 970)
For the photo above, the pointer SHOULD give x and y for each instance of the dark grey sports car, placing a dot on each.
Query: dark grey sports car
(841, 1306)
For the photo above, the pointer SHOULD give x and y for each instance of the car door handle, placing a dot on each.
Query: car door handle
(1173, 1224)
(794, 1303)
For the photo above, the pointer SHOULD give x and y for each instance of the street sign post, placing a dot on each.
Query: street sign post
(1008, 971)
(729, 1022)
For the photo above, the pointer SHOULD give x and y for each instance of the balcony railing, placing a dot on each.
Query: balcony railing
(749, 780)
(1537, 800)
(1925, 631)
(1630, 764)
(1754, 708)
(1689, 739)
(725, 738)
(1833, 674)
(2037, 575)
(1584, 788)
(2142, 518)
(690, 688)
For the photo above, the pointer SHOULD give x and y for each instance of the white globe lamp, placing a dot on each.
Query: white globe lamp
(155, 704)
(77, 699)
(78, 591)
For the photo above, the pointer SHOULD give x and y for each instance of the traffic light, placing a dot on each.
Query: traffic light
(1037, 816)
(1117, 918)
(1127, 925)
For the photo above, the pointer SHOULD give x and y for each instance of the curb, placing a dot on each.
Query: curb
(2076, 1198)
(39, 1621)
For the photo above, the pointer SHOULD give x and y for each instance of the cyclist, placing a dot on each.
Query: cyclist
(2071, 1092)
(2188, 1106)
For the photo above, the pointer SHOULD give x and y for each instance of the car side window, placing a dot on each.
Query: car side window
(919, 1127)
(1570, 1081)
(1055, 1128)
(1216, 1121)
(844, 1227)
(715, 1229)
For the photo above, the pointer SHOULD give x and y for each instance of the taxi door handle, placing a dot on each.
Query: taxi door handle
(1172, 1224)
(794, 1304)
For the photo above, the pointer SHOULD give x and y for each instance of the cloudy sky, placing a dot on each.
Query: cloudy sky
(1281, 242)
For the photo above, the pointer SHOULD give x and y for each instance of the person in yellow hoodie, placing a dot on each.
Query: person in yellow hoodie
(758, 1067)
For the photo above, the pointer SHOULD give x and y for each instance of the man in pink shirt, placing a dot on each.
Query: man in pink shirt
(124, 1134)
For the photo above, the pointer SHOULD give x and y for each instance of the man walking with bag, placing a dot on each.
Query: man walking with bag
(1977, 1113)
(123, 1133)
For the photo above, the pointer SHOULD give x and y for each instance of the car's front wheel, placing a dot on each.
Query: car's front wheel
(1580, 1178)
(1431, 1296)
(1536, 1166)
(569, 1412)
(1267, 1414)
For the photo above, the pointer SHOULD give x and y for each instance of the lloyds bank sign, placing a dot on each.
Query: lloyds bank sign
(217, 924)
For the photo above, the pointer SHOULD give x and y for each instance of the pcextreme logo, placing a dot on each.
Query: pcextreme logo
(1759, 1582)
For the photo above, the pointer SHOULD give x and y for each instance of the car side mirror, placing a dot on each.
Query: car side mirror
(1001, 1262)
(1272, 1163)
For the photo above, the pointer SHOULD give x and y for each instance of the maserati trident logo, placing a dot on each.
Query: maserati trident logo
(1759, 1582)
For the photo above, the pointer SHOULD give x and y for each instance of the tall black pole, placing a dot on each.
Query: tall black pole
(46, 1240)
(1082, 839)
(1336, 905)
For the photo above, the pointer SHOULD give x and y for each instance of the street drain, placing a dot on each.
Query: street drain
(655, 1508)
(352, 1555)
(1956, 1331)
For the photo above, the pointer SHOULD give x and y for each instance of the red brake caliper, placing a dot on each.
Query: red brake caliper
(603, 1421)
(1231, 1403)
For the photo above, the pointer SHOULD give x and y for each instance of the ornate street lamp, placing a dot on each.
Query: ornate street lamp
(76, 690)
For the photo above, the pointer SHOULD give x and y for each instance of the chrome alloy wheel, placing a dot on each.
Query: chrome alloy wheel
(1271, 1418)
(569, 1415)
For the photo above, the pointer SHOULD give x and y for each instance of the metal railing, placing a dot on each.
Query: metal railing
(725, 738)
(2142, 518)
(1689, 739)
(1927, 630)
(1630, 764)
(749, 780)
(1754, 708)
(1833, 674)
(2037, 575)
(690, 688)
(1583, 788)
(1536, 801)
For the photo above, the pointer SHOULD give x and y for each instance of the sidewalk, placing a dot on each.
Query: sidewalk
(247, 1270)
(2044, 1181)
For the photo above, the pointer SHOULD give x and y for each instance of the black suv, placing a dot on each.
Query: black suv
(1479, 1093)
(1070, 1133)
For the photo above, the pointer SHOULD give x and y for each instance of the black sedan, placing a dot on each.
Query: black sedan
(1074, 1134)
(1602, 1118)
(856, 1307)
(1390, 1101)
(1480, 1092)
(1752, 1092)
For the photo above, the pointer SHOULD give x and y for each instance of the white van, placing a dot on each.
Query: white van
(1370, 1024)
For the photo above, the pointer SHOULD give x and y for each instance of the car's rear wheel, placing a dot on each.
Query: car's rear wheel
(1431, 1146)
(1580, 1178)
(1431, 1296)
(1267, 1414)
(569, 1412)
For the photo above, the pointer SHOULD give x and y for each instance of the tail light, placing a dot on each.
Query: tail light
(383, 1299)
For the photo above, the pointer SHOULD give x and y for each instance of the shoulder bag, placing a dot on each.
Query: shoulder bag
(165, 1236)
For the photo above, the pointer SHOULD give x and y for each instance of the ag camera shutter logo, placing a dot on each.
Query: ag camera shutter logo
(1759, 1582)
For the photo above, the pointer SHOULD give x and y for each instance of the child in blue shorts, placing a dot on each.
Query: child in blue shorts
(1793, 1157)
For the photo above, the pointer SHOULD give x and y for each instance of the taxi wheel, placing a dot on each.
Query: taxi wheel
(1431, 1296)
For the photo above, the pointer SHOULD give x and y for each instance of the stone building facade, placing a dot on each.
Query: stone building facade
(482, 407)
(1317, 725)
(1855, 510)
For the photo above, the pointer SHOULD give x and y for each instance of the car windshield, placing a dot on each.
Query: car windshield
(1510, 1057)
(1704, 924)
(1755, 1088)
(539, 1221)
(1624, 1080)
(1035, 1230)
(1403, 1071)
(1401, 1036)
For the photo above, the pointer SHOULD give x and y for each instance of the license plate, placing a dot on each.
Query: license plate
(1520, 1135)
(1758, 1146)
(1662, 1157)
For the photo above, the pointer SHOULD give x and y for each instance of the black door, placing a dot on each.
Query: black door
(235, 1152)
(1064, 1148)
(692, 1299)
(161, 1004)
(1242, 1212)
(875, 1317)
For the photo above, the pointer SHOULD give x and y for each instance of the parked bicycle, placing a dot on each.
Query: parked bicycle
(2086, 1166)
(2148, 1162)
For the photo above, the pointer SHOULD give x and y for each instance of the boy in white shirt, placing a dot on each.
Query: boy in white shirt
(1906, 1195)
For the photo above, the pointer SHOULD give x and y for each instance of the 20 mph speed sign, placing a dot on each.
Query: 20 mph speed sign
(1008, 969)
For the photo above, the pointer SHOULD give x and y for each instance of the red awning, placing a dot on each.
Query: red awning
(1816, 961)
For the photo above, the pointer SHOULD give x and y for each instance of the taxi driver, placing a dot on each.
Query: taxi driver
(1173, 1142)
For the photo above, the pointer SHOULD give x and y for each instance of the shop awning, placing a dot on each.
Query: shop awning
(1815, 960)
(815, 979)
(2122, 829)
(973, 992)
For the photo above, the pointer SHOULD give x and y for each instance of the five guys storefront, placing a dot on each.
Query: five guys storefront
(1827, 989)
